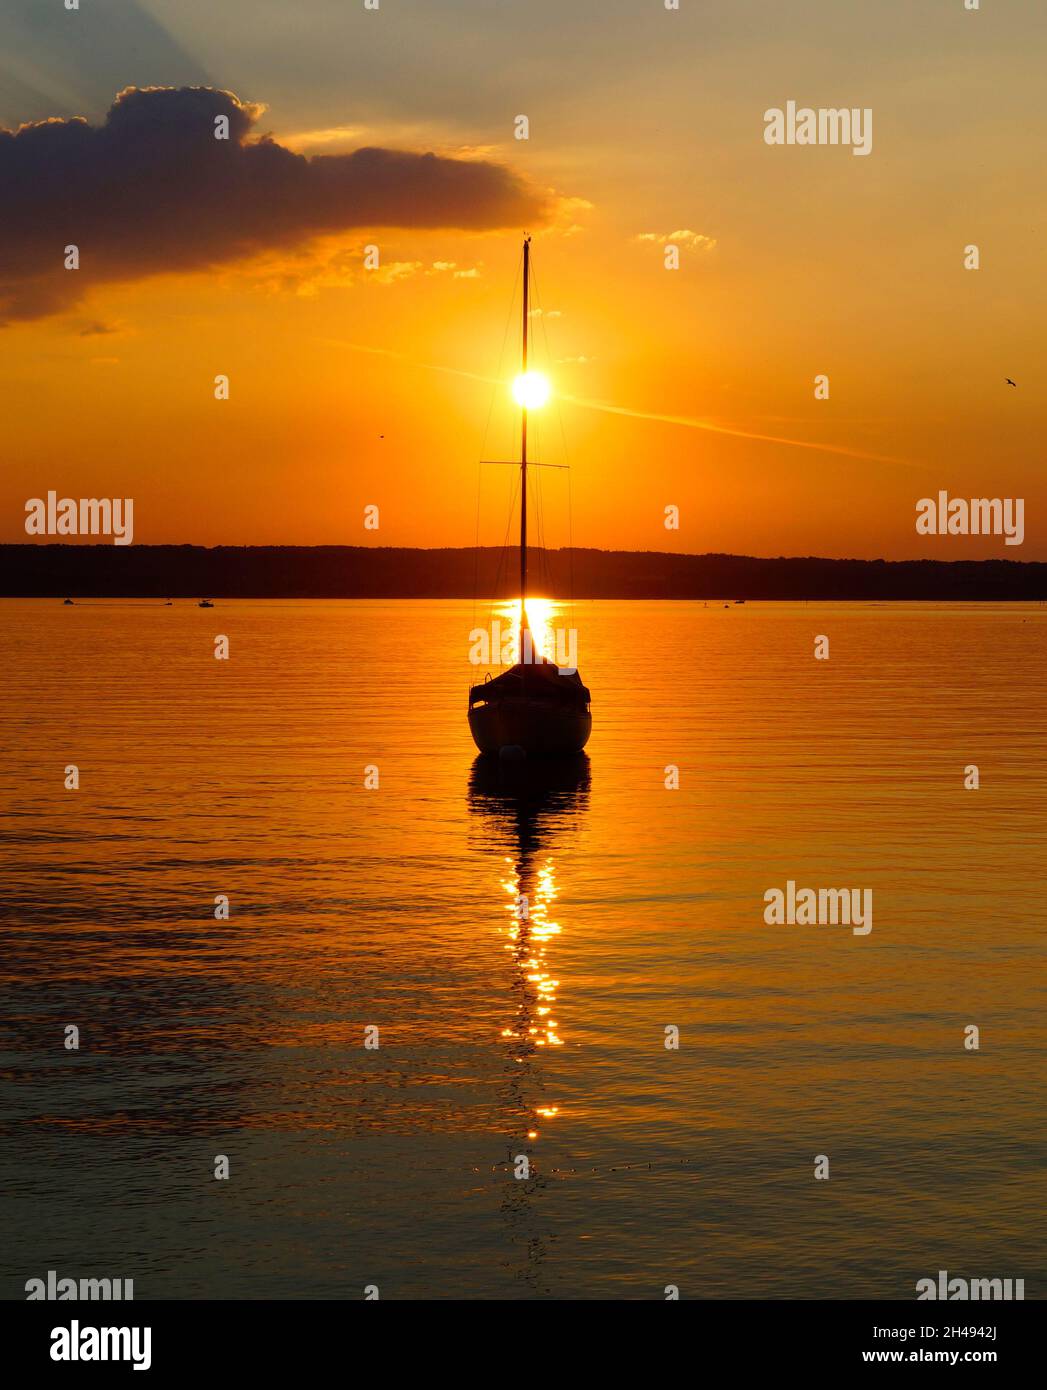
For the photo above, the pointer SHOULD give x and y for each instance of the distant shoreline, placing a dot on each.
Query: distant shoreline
(331, 571)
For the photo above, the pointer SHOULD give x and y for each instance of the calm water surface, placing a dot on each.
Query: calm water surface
(395, 907)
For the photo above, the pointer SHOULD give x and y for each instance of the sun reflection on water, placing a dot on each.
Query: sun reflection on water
(541, 613)
(530, 808)
(530, 935)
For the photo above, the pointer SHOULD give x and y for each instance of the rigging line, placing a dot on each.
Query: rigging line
(476, 544)
(547, 557)
(505, 543)
(543, 536)
(514, 488)
(487, 428)
(570, 517)
(539, 518)
(503, 548)
(547, 540)
(570, 555)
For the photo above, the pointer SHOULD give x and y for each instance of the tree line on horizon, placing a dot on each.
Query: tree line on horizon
(188, 571)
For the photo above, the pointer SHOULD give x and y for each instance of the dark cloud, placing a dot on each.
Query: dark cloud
(153, 191)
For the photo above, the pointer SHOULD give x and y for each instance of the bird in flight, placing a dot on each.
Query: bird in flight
(1011, 383)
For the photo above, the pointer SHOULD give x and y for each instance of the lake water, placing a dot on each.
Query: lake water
(501, 1036)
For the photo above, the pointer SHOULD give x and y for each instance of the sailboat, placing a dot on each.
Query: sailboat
(535, 709)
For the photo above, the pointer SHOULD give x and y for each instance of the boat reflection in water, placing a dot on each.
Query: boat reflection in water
(526, 811)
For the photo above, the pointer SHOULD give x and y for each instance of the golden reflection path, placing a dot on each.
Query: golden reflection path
(530, 933)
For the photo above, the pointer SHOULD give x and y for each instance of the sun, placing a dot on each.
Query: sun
(531, 390)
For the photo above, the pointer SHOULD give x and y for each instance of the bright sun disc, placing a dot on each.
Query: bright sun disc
(531, 390)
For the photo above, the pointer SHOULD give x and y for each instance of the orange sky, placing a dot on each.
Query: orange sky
(813, 262)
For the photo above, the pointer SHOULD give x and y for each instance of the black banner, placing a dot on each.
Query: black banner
(186, 1339)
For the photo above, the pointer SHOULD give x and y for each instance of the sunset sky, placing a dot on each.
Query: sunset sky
(692, 387)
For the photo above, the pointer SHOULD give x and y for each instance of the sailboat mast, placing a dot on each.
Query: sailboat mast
(523, 448)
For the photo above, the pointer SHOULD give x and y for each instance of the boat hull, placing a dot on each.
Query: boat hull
(541, 729)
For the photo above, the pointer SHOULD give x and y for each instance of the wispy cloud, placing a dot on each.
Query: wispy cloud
(693, 422)
(695, 241)
(458, 272)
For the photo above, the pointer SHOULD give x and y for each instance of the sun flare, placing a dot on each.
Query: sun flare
(531, 390)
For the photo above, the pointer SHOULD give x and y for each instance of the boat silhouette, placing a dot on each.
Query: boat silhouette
(534, 709)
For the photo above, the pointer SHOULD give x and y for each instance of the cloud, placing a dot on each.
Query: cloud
(151, 191)
(322, 269)
(695, 240)
(567, 209)
(458, 272)
(389, 273)
(329, 135)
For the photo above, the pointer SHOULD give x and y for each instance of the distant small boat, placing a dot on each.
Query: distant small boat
(67, 602)
(167, 604)
(739, 600)
(205, 603)
(534, 709)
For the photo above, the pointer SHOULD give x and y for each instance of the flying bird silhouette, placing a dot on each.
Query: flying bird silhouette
(1010, 382)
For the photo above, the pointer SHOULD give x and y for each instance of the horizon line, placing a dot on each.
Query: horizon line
(107, 545)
